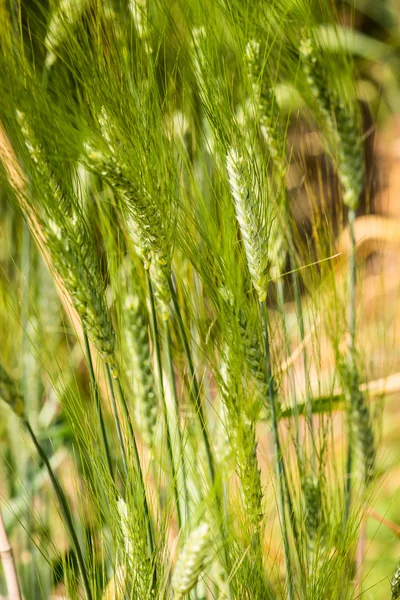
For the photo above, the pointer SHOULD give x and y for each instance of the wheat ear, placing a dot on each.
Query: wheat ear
(251, 220)
(139, 568)
(347, 149)
(139, 356)
(314, 513)
(72, 253)
(243, 439)
(75, 261)
(267, 110)
(395, 584)
(360, 420)
(144, 224)
(192, 561)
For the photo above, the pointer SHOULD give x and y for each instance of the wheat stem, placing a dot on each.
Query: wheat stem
(173, 418)
(96, 396)
(117, 421)
(279, 463)
(281, 307)
(156, 341)
(300, 322)
(194, 386)
(352, 350)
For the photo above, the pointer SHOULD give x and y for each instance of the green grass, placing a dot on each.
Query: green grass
(155, 277)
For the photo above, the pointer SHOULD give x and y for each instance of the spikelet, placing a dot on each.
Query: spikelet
(347, 148)
(312, 494)
(360, 419)
(313, 511)
(255, 362)
(72, 252)
(395, 584)
(253, 356)
(251, 221)
(160, 272)
(66, 14)
(242, 433)
(9, 393)
(249, 471)
(139, 566)
(145, 225)
(192, 561)
(142, 215)
(139, 359)
(267, 110)
(268, 117)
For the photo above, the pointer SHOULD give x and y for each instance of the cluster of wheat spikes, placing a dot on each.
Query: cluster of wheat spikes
(146, 156)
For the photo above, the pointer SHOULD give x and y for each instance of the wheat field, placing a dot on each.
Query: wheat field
(199, 296)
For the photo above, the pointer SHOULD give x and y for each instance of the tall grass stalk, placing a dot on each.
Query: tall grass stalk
(352, 274)
(278, 456)
(117, 420)
(193, 384)
(97, 403)
(176, 434)
(157, 348)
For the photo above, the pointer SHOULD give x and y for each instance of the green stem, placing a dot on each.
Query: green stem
(352, 358)
(117, 422)
(296, 414)
(281, 307)
(96, 396)
(173, 417)
(280, 466)
(300, 321)
(156, 341)
(194, 386)
(64, 510)
(352, 284)
(195, 390)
